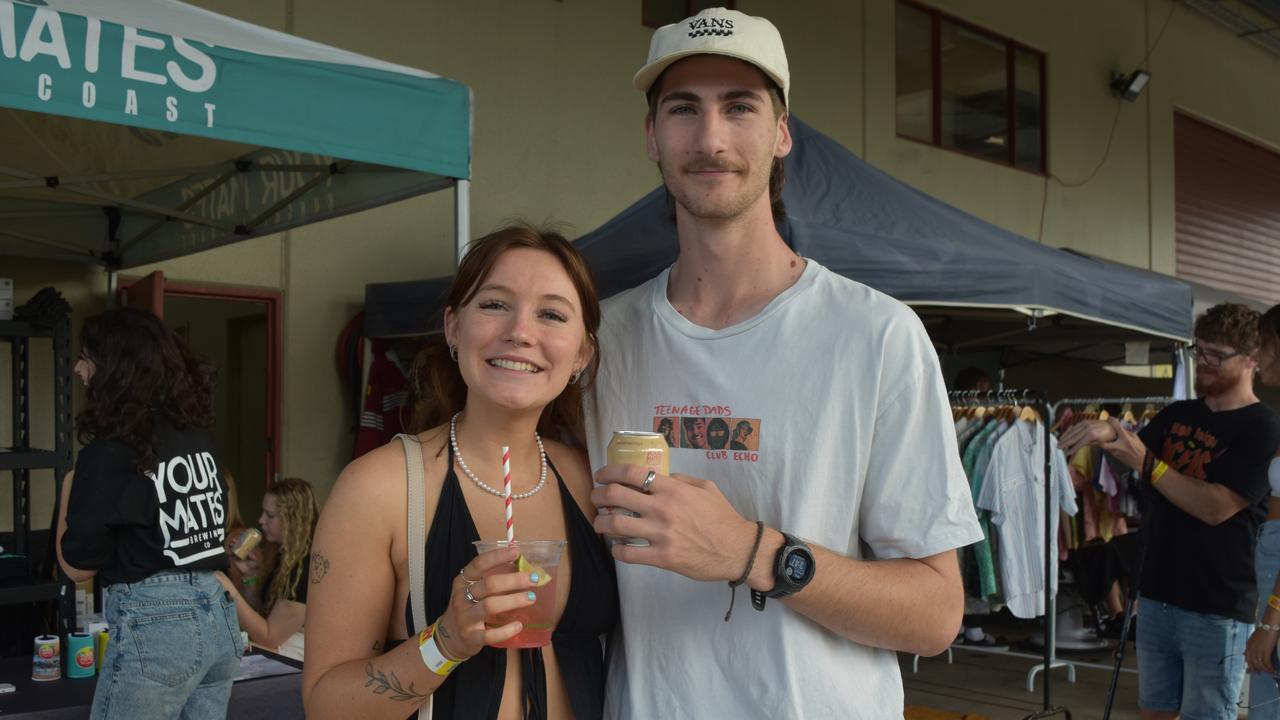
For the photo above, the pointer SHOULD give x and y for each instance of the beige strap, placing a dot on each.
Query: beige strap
(416, 522)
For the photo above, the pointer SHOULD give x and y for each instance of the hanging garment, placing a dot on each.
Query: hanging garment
(385, 395)
(1013, 490)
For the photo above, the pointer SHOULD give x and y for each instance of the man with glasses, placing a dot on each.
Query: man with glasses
(1205, 461)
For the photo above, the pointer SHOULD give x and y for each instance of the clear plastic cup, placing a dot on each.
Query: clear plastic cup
(538, 619)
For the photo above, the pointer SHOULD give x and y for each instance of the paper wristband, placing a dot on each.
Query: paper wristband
(1158, 471)
(435, 660)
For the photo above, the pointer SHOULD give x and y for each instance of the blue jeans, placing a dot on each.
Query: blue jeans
(174, 649)
(1189, 662)
(1264, 701)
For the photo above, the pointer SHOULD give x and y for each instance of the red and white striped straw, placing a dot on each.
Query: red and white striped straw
(506, 492)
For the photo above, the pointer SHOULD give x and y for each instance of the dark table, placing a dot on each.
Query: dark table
(269, 698)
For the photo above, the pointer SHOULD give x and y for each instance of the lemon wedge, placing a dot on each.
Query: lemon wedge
(524, 566)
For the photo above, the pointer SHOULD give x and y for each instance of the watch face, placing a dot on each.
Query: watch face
(798, 566)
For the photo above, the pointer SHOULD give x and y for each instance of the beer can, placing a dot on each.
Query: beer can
(646, 449)
(245, 542)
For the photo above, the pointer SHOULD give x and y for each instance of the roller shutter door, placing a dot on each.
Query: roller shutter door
(1227, 200)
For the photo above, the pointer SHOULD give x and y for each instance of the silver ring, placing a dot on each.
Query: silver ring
(463, 574)
(647, 487)
(467, 594)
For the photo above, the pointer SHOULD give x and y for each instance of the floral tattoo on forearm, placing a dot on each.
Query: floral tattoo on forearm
(389, 685)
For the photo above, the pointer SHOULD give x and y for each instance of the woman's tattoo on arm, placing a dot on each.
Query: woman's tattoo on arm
(319, 568)
(388, 684)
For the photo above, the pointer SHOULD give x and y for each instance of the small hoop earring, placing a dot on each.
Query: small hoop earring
(453, 352)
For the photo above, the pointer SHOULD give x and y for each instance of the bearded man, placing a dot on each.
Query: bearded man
(1206, 464)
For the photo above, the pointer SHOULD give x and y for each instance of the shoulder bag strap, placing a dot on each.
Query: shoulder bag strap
(417, 511)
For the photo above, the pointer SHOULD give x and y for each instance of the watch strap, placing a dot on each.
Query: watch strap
(780, 587)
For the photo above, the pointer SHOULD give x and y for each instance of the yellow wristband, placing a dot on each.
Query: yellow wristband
(435, 660)
(1274, 602)
(1158, 471)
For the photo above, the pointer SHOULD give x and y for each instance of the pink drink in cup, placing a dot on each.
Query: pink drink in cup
(538, 619)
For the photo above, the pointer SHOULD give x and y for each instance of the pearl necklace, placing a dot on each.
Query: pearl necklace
(453, 441)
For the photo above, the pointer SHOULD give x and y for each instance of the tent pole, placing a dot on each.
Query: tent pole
(1188, 362)
(461, 218)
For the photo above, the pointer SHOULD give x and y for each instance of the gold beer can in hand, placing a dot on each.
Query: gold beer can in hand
(646, 449)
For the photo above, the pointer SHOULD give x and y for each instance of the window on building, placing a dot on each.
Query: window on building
(656, 13)
(964, 88)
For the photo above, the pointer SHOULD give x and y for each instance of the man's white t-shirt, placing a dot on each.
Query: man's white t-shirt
(825, 416)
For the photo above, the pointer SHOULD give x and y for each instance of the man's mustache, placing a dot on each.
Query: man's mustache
(711, 166)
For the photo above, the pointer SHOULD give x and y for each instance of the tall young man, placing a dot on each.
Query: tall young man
(844, 517)
(1207, 463)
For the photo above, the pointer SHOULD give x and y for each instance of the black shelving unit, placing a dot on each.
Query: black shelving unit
(39, 583)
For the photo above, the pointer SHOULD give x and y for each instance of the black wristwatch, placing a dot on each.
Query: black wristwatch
(792, 570)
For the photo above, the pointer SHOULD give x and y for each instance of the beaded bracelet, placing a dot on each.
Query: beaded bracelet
(1268, 628)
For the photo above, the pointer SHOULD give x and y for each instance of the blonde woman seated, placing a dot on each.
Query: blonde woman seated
(289, 514)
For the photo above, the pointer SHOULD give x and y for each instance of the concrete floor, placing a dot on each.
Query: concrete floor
(994, 686)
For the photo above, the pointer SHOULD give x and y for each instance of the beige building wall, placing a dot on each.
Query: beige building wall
(558, 138)
(1126, 211)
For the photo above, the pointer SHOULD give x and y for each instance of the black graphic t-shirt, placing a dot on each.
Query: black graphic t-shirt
(128, 525)
(1191, 564)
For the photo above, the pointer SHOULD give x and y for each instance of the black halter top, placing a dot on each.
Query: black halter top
(474, 690)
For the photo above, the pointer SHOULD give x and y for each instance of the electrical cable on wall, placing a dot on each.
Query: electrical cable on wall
(1111, 134)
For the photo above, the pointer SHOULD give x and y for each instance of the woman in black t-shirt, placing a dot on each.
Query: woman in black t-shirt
(146, 514)
(289, 514)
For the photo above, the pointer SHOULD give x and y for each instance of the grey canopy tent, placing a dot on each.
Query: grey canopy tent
(134, 131)
(977, 286)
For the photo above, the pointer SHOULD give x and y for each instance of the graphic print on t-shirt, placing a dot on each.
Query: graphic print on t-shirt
(1189, 449)
(192, 516)
(712, 429)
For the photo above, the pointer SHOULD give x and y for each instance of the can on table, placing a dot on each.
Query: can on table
(646, 449)
(46, 659)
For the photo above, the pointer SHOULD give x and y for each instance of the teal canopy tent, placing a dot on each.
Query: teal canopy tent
(134, 131)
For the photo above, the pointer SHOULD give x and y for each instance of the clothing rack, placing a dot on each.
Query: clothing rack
(1112, 401)
(1038, 401)
(1049, 660)
(1050, 640)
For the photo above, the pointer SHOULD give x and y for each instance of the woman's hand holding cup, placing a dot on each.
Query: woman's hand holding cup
(478, 599)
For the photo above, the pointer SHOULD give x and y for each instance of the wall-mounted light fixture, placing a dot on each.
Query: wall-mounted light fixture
(1129, 87)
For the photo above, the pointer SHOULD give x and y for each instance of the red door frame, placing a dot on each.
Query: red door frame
(275, 325)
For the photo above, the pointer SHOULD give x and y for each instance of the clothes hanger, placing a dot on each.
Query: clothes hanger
(1067, 420)
(1127, 414)
(1029, 414)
